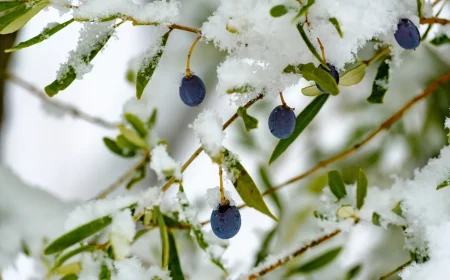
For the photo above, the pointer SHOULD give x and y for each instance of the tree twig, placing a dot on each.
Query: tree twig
(434, 20)
(69, 109)
(298, 252)
(395, 271)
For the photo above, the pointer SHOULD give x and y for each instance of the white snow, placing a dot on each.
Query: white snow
(132, 268)
(163, 164)
(208, 129)
(122, 233)
(138, 107)
(214, 199)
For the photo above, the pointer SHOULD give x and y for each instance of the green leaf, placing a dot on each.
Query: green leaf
(105, 273)
(398, 209)
(124, 144)
(152, 119)
(379, 86)
(376, 219)
(71, 268)
(138, 176)
(311, 73)
(67, 78)
(45, 34)
(336, 25)
(353, 76)
(304, 10)
(302, 121)
(17, 17)
(77, 235)
(164, 237)
(318, 262)
(278, 11)
(137, 124)
(264, 250)
(60, 261)
(148, 67)
(311, 91)
(249, 121)
(7, 6)
(354, 271)
(244, 184)
(69, 277)
(419, 7)
(361, 188)
(242, 89)
(268, 185)
(440, 40)
(310, 45)
(114, 147)
(174, 261)
(442, 185)
(336, 184)
(133, 137)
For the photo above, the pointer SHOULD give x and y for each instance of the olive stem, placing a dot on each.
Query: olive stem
(392, 273)
(323, 50)
(188, 63)
(435, 3)
(434, 20)
(375, 57)
(222, 191)
(282, 99)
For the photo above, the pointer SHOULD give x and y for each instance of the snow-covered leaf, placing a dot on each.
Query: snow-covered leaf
(174, 261)
(336, 25)
(105, 273)
(380, 85)
(303, 120)
(45, 34)
(136, 123)
(353, 76)
(442, 185)
(361, 188)
(148, 67)
(241, 89)
(336, 184)
(304, 9)
(244, 184)
(78, 234)
(376, 219)
(63, 258)
(398, 209)
(249, 121)
(318, 262)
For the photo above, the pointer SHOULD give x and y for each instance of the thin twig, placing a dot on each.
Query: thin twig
(60, 105)
(322, 49)
(300, 251)
(435, 3)
(130, 172)
(188, 63)
(395, 271)
(222, 191)
(200, 149)
(185, 28)
(434, 20)
(377, 56)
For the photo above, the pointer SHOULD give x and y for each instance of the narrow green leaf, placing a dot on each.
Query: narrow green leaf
(249, 121)
(45, 34)
(311, 91)
(264, 250)
(137, 124)
(10, 5)
(336, 184)
(419, 7)
(148, 67)
(133, 137)
(431, 25)
(310, 45)
(398, 209)
(361, 188)
(376, 219)
(69, 277)
(139, 175)
(71, 268)
(354, 271)
(311, 73)
(353, 76)
(60, 261)
(164, 237)
(379, 86)
(303, 120)
(78, 234)
(114, 147)
(242, 89)
(105, 273)
(125, 145)
(336, 25)
(8, 15)
(278, 11)
(268, 185)
(318, 262)
(244, 184)
(304, 9)
(152, 119)
(16, 18)
(440, 40)
(174, 261)
(442, 185)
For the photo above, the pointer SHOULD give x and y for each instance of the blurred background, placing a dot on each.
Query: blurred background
(65, 156)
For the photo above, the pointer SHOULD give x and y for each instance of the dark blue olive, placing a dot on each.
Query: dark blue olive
(282, 122)
(225, 221)
(334, 73)
(192, 90)
(407, 34)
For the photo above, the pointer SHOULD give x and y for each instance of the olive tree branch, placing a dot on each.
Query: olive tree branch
(434, 20)
(395, 271)
(71, 110)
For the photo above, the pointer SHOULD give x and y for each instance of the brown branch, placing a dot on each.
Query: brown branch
(199, 150)
(295, 254)
(71, 110)
(395, 271)
(185, 28)
(434, 20)
(435, 3)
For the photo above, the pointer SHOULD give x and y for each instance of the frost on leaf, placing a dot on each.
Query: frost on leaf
(122, 233)
(208, 129)
(163, 164)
